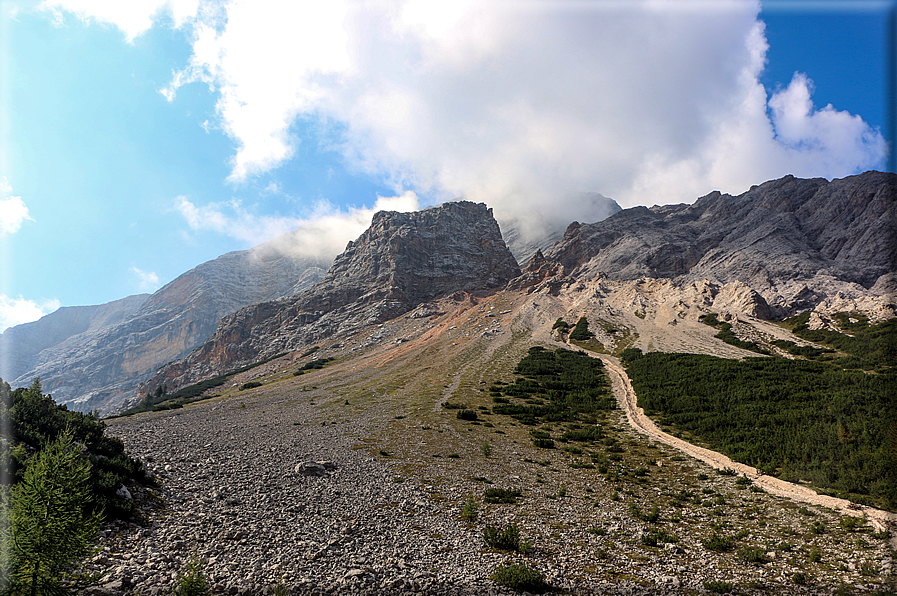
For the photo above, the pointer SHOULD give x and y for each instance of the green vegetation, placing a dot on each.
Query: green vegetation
(574, 384)
(798, 419)
(719, 587)
(560, 324)
(521, 578)
(193, 581)
(471, 509)
(727, 335)
(718, 543)
(752, 554)
(30, 421)
(581, 330)
(50, 528)
(502, 495)
(506, 539)
(313, 365)
(466, 415)
(160, 399)
(867, 347)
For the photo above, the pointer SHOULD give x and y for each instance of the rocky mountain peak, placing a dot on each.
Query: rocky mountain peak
(417, 256)
(788, 239)
(401, 261)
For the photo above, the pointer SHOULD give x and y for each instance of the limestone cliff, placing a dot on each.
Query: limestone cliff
(795, 242)
(401, 261)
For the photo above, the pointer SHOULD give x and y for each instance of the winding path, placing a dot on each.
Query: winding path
(626, 398)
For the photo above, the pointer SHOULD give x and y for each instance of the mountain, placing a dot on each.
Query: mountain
(782, 247)
(92, 357)
(525, 238)
(400, 262)
(795, 242)
(22, 345)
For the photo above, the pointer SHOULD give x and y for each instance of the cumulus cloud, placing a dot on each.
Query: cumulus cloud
(17, 311)
(147, 281)
(523, 105)
(133, 17)
(323, 234)
(13, 211)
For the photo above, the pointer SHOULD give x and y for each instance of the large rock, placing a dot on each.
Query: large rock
(401, 261)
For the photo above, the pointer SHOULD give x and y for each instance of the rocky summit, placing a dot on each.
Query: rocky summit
(795, 242)
(400, 262)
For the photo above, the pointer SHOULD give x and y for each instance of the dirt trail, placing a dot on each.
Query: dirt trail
(639, 421)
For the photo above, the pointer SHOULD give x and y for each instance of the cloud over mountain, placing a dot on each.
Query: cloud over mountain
(521, 104)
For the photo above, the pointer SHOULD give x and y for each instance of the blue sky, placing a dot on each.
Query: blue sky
(140, 139)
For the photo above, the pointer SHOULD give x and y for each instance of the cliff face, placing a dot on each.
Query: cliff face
(22, 345)
(401, 261)
(93, 357)
(780, 248)
(794, 241)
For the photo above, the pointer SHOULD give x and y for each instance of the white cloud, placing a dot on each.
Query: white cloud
(16, 311)
(147, 281)
(13, 211)
(323, 234)
(521, 104)
(133, 17)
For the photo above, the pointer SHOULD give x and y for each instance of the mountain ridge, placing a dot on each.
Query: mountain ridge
(401, 261)
(782, 247)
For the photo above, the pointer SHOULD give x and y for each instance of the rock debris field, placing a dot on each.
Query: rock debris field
(267, 493)
(236, 499)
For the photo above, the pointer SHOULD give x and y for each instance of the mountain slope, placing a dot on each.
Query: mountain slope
(92, 365)
(22, 345)
(401, 261)
(791, 240)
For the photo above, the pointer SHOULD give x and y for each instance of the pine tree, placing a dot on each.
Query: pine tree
(50, 532)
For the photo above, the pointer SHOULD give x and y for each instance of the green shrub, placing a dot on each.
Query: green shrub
(560, 324)
(852, 523)
(752, 554)
(869, 569)
(630, 355)
(32, 420)
(590, 433)
(50, 530)
(502, 495)
(815, 555)
(521, 578)
(506, 539)
(800, 578)
(193, 582)
(658, 536)
(544, 443)
(718, 543)
(466, 415)
(471, 509)
(652, 516)
(250, 385)
(581, 330)
(718, 586)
